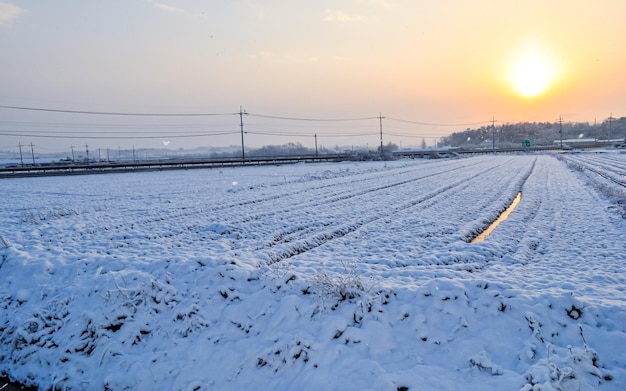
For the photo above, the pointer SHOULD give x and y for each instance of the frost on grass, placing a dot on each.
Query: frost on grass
(35, 217)
(345, 285)
(482, 362)
(563, 368)
(569, 370)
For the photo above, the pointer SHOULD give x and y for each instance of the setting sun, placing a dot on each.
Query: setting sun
(531, 72)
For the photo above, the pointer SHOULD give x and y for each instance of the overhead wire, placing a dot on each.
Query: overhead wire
(310, 119)
(138, 131)
(437, 124)
(310, 135)
(54, 125)
(122, 137)
(21, 132)
(410, 135)
(114, 113)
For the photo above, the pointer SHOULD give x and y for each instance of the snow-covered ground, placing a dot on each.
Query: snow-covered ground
(346, 276)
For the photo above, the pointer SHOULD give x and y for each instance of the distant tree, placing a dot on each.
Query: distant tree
(539, 133)
(289, 149)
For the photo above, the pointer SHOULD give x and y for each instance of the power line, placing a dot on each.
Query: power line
(410, 135)
(138, 114)
(311, 119)
(52, 133)
(311, 135)
(104, 126)
(438, 124)
(114, 113)
(120, 137)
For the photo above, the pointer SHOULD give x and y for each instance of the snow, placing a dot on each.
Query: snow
(344, 276)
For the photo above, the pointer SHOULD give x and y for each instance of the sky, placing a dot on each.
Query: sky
(428, 67)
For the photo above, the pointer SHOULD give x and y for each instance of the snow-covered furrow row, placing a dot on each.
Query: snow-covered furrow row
(420, 231)
(320, 214)
(604, 181)
(368, 206)
(615, 162)
(197, 230)
(157, 204)
(310, 199)
(171, 210)
(199, 225)
(603, 167)
(300, 189)
(182, 226)
(556, 222)
(307, 242)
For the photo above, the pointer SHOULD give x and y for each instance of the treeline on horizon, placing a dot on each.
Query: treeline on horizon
(538, 133)
(297, 149)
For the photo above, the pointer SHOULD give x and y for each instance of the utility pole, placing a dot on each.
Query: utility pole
(609, 132)
(561, 129)
(316, 155)
(134, 158)
(32, 151)
(72, 148)
(87, 152)
(99, 156)
(380, 121)
(21, 159)
(243, 152)
(493, 134)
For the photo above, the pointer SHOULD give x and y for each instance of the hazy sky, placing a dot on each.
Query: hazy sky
(431, 62)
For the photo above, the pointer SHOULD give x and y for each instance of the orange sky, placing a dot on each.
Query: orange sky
(443, 62)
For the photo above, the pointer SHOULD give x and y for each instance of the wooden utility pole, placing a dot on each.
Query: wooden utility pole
(21, 158)
(316, 155)
(561, 129)
(493, 134)
(380, 121)
(243, 151)
(32, 151)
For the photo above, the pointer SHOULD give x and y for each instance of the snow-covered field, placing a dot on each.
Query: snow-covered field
(346, 276)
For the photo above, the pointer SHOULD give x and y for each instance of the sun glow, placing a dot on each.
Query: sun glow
(532, 72)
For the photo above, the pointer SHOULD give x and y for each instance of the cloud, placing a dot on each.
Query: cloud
(382, 3)
(342, 17)
(168, 8)
(262, 54)
(8, 12)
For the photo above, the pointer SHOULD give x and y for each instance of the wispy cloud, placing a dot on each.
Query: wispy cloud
(262, 54)
(8, 12)
(382, 3)
(340, 16)
(169, 8)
